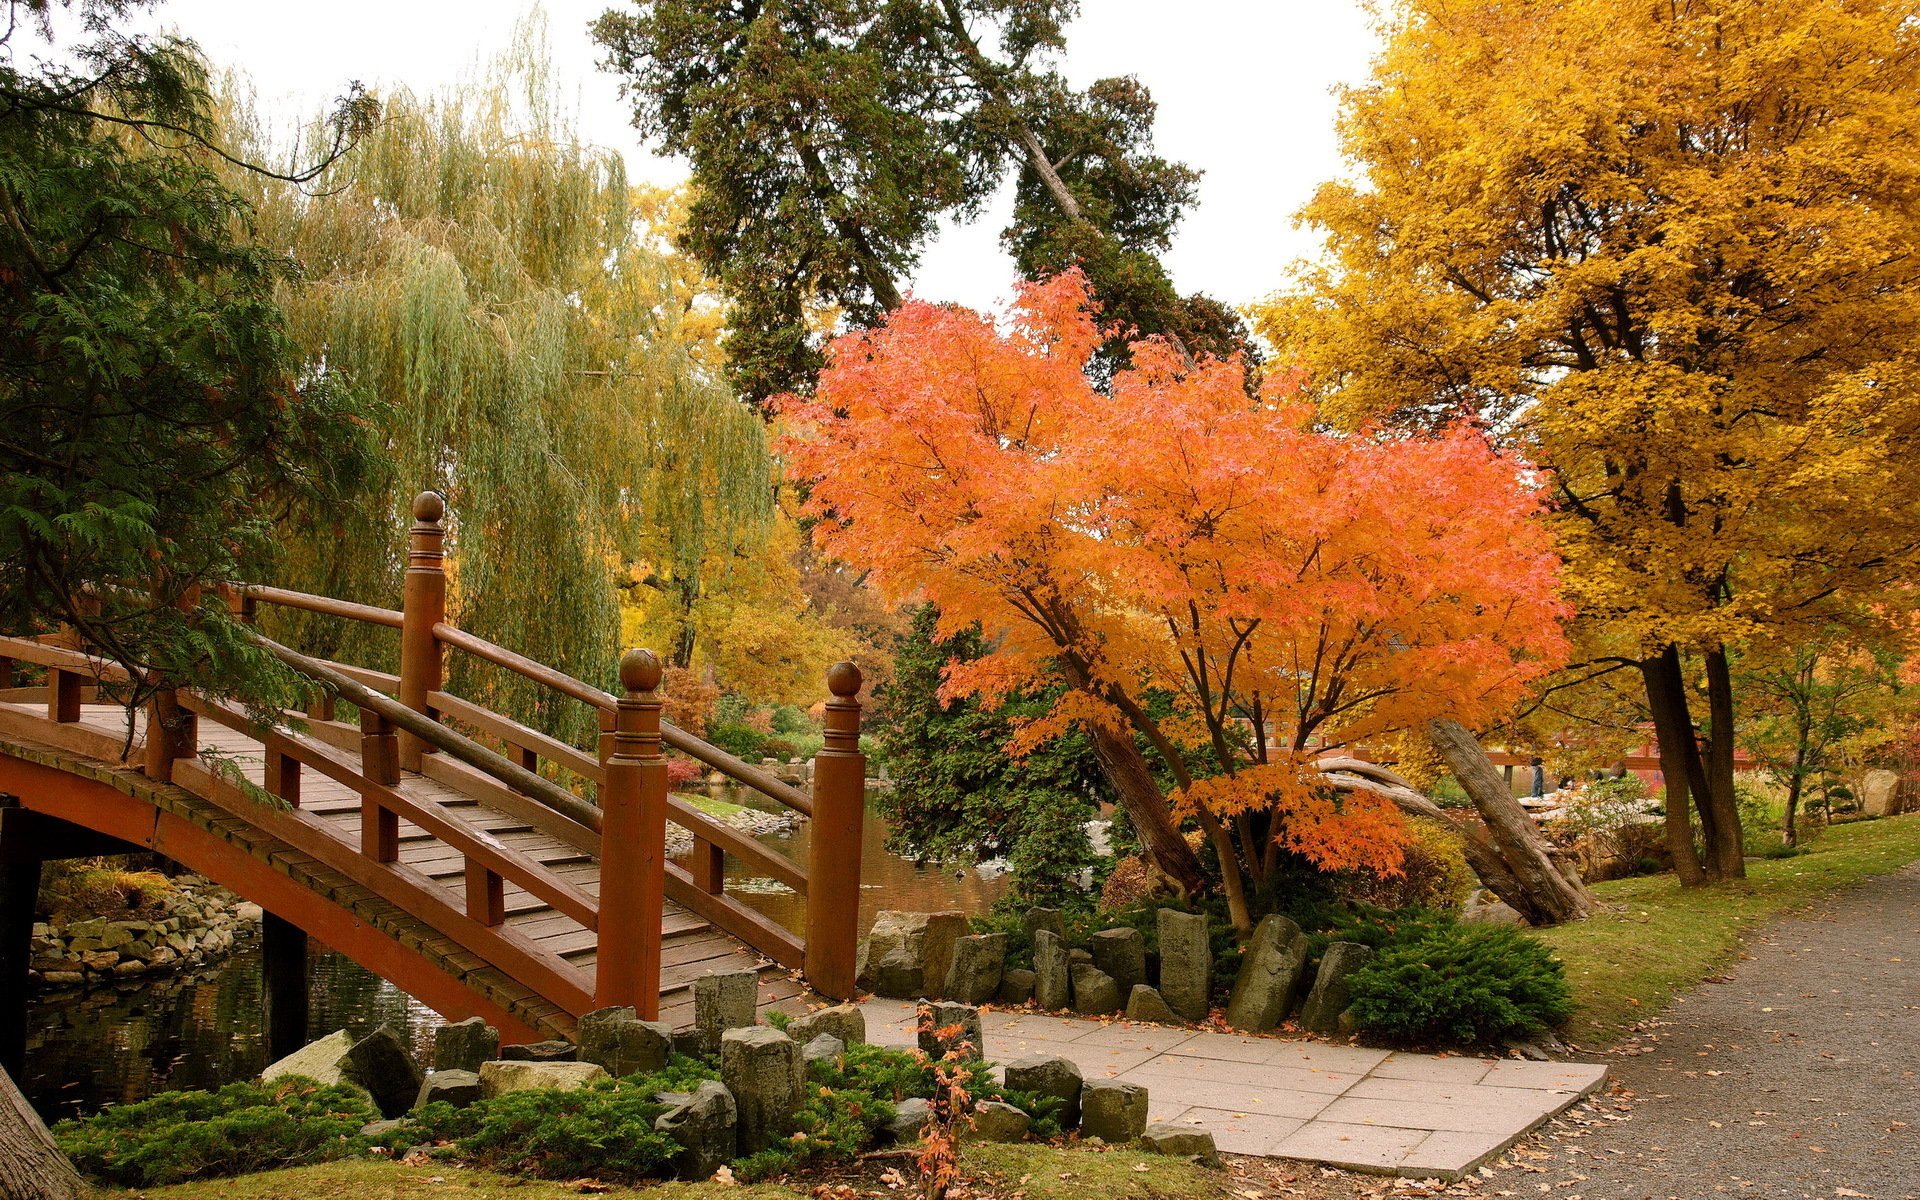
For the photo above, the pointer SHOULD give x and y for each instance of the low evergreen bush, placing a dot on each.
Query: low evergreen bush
(1461, 985)
(243, 1127)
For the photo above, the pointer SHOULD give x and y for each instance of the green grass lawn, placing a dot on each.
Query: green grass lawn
(1654, 939)
(1037, 1172)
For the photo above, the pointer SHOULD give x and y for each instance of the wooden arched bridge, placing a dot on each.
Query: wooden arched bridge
(423, 839)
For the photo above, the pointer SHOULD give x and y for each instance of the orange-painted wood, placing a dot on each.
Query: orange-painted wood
(423, 607)
(839, 809)
(633, 846)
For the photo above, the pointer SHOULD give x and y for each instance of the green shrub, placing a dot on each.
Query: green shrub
(1461, 985)
(790, 719)
(241, 1128)
(739, 740)
(604, 1130)
(778, 747)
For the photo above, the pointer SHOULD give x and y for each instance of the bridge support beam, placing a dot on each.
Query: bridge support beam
(283, 985)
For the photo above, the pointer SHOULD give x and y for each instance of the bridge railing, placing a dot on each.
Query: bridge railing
(630, 776)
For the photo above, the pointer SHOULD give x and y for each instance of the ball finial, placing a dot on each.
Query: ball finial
(843, 680)
(429, 507)
(640, 670)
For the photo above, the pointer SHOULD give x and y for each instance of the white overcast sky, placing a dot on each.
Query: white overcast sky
(1244, 87)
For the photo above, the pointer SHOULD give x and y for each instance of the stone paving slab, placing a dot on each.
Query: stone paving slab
(1417, 1115)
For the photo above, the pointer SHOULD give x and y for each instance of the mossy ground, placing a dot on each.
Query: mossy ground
(1036, 1172)
(1655, 939)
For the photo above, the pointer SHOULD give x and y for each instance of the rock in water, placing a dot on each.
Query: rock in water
(1112, 1111)
(1049, 1075)
(997, 1121)
(964, 1020)
(1332, 986)
(1122, 954)
(1094, 991)
(705, 1125)
(1147, 1004)
(723, 1002)
(1186, 962)
(762, 1067)
(380, 1063)
(844, 1021)
(464, 1045)
(1050, 985)
(1181, 1141)
(617, 1039)
(458, 1088)
(1270, 972)
(499, 1078)
(978, 961)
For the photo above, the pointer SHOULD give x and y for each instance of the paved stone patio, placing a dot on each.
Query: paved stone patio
(1418, 1115)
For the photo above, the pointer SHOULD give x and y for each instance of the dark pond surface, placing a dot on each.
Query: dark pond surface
(126, 1041)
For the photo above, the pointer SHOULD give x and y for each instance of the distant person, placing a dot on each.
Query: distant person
(1539, 778)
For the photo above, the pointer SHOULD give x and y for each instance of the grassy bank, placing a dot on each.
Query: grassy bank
(1034, 1171)
(1655, 939)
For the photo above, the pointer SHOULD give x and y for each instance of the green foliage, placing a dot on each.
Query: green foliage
(742, 741)
(959, 795)
(155, 414)
(243, 1127)
(603, 1131)
(1461, 985)
(778, 747)
(789, 719)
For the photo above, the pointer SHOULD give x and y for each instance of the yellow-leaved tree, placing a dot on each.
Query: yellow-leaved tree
(1671, 252)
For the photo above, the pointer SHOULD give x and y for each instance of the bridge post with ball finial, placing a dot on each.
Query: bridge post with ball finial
(633, 845)
(833, 862)
(423, 605)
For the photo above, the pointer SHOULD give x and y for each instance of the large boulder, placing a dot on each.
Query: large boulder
(499, 1078)
(1186, 962)
(1036, 919)
(998, 1121)
(323, 1061)
(1147, 1004)
(1270, 974)
(1122, 954)
(464, 1045)
(705, 1125)
(617, 1039)
(1051, 987)
(1112, 1111)
(381, 1064)
(1094, 991)
(908, 954)
(952, 1025)
(978, 961)
(1332, 986)
(1016, 986)
(910, 1116)
(844, 1021)
(723, 1002)
(1879, 793)
(762, 1067)
(1049, 1075)
(458, 1088)
(1181, 1141)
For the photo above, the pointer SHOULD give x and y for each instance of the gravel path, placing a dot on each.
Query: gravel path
(1795, 1074)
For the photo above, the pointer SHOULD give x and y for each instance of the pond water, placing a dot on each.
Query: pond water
(126, 1041)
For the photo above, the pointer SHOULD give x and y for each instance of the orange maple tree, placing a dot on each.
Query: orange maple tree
(1293, 591)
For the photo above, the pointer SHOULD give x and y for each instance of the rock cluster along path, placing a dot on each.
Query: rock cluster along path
(1418, 1115)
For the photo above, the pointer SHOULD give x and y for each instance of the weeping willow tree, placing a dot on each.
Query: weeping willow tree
(483, 273)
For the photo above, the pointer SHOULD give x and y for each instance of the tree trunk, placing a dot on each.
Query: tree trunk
(1231, 878)
(31, 1166)
(1547, 892)
(1666, 700)
(1146, 807)
(1726, 849)
(1791, 834)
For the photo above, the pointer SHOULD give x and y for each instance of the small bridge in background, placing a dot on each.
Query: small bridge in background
(422, 839)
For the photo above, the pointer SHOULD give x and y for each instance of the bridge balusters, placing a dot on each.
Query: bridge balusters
(6, 672)
(173, 733)
(380, 761)
(283, 777)
(423, 605)
(63, 695)
(486, 894)
(708, 866)
(633, 845)
(833, 862)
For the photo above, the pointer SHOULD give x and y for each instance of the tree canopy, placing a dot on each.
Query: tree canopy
(1668, 253)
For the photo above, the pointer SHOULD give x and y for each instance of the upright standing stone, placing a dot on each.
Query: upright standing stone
(844, 1021)
(1048, 1075)
(464, 1045)
(1094, 991)
(1122, 954)
(1270, 972)
(978, 961)
(1186, 962)
(723, 1002)
(705, 1126)
(963, 1018)
(1333, 986)
(617, 1039)
(1112, 1111)
(1016, 985)
(1050, 984)
(908, 954)
(380, 1063)
(1036, 919)
(762, 1067)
